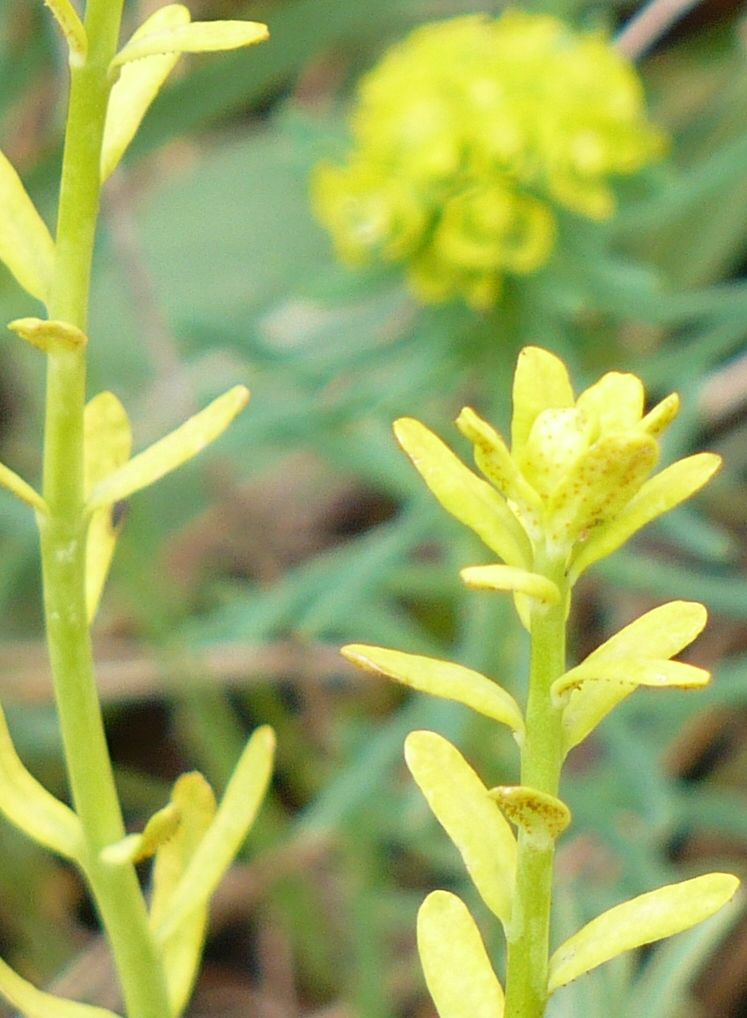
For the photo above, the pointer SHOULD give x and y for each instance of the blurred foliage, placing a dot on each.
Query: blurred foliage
(237, 578)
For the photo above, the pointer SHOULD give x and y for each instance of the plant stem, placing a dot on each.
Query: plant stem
(63, 535)
(541, 761)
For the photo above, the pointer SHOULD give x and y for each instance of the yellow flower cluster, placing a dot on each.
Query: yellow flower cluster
(467, 134)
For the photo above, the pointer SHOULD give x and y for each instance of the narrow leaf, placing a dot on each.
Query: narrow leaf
(440, 678)
(172, 451)
(67, 18)
(197, 37)
(48, 334)
(27, 804)
(495, 461)
(641, 920)
(498, 577)
(160, 828)
(193, 798)
(26, 246)
(600, 484)
(660, 633)
(541, 383)
(224, 837)
(542, 817)
(136, 87)
(661, 416)
(456, 966)
(656, 636)
(34, 1003)
(467, 497)
(21, 489)
(658, 495)
(615, 401)
(107, 444)
(461, 804)
(633, 672)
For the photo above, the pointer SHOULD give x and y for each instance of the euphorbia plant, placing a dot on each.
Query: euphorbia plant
(575, 485)
(87, 469)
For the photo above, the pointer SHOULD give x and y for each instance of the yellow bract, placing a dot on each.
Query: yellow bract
(170, 452)
(218, 846)
(468, 498)
(72, 28)
(136, 87)
(49, 335)
(107, 444)
(196, 37)
(636, 656)
(464, 146)
(22, 489)
(542, 817)
(641, 920)
(440, 678)
(497, 577)
(455, 963)
(461, 804)
(31, 808)
(193, 800)
(26, 245)
(133, 848)
(34, 1003)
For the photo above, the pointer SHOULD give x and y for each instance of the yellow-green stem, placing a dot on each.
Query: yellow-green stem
(541, 762)
(115, 889)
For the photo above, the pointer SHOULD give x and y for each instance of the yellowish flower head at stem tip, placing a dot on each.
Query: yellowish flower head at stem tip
(576, 481)
(468, 135)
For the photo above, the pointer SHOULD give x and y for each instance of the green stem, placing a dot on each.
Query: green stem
(541, 762)
(63, 535)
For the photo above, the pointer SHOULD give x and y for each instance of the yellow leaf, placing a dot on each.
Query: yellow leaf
(497, 577)
(641, 920)
(193, 798)
(542, 817)
(137, 86)
(107, 444)
(22, 489)
(48, 334)
(218, 847)
(461, 804)
(31, 808)
(615, 401)
(633, 672)
(658, 495)
(541, 383)
(135, 847)
(107, 438)
(654, 637)
(34, 1003)
(197, 37)
(661, 416)
(495, 461)
(67, 18)
(172, 451)
(467, 497)
(557, 439)
(440, 678)
(456, 966)
(26, 246)
(599, 485)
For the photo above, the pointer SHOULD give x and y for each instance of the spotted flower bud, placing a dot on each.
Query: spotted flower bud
(576, 482)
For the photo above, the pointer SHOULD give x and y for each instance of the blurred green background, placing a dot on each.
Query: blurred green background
(237, 578)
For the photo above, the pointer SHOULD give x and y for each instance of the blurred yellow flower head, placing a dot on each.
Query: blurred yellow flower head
(467, 135)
